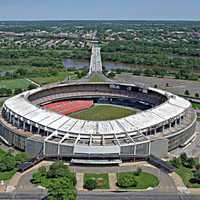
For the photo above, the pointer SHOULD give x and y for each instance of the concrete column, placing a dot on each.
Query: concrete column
(31, 127)
(163, 128)
(10, 117)
(44, 146)
(18, 123)
(24, 125)
(38, 130)
(135, 149)
(14, 120)
(170, 124)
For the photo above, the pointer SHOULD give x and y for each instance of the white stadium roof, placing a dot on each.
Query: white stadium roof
(173, 107)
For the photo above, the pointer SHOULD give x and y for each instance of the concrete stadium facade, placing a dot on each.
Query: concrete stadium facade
(167, 123)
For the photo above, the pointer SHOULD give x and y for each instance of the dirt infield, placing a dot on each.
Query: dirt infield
(67, 107)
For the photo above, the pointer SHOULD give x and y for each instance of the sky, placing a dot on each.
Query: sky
(100, 9)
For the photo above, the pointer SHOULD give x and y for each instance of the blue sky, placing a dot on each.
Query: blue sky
(100, 9)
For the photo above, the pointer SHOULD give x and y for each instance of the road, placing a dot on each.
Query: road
(103, 196)
(134, 196)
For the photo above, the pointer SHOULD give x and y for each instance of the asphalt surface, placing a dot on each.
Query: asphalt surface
(103, 196)
(134, 196)
(22, 196)
(192, 149)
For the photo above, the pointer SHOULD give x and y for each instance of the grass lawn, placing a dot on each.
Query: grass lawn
(2, 99)
(144, 180)
(97, 78)
(8, 174)
(103, 112)
(1, 102)
(196, 106)
(15, 83)
(2, 153)
(101, 180)
(186, 174)
(53, 79)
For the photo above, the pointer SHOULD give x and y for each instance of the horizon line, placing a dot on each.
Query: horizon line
(151, 20)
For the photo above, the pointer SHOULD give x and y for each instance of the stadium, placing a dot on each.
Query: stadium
(44, 121)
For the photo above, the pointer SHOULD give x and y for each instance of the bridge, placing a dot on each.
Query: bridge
(95, 61)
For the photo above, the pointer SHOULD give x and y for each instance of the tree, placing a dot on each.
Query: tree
(155, 86)
(197, 166)
(111, 74)
(190, 162)
(21, 71)
(7, 163)
(196, 176)
(18, 90)
(187, 92)
(197, 95)
(183, 157)
(176, 162)
(90, 184)
(61, 189)
(32, 86)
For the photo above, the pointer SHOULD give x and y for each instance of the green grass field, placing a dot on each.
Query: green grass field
(144, 180)
(196, 106)
(103, 112)
(61, 76)
(97, 78)
(101, 180)
(15, 83)
(1, 101)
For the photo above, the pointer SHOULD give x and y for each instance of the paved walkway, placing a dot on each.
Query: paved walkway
(112, 181)
(80, 181)
(33, 82)
(21, 181)
(179, 183)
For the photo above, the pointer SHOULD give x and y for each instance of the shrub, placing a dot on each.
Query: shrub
(190, 162)
(126, 180)
(36, 178)
(18, 90)
(138, 171)
(61, 189)
(176, 162)
(197, 175)
(57, 169)
(197, 166)
(183, 157)
(90, 184)
(32, 86)
(7, 163)
(42, 170)
(21, 158)
(197, 95)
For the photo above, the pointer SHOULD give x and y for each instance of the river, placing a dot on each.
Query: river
(70, 63)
